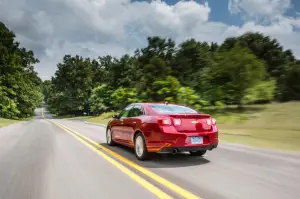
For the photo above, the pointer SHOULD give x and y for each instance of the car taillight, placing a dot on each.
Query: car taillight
(177, 122)
(208, 122)
(164, 122)
(211, 121)
(214, 121)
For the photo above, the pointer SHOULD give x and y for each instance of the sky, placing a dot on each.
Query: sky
(92, 28)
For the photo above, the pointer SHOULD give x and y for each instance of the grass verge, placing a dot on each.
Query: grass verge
(104, 118)
(68, 117)
(274, 126)
(6, 122)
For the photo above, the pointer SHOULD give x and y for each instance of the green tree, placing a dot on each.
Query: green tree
(19, 83)
(154, 71)
(99, 74)
(232, 73)
(267, 49)
(46, 86)
(152, 63)
(157, 47)
(262, 92)
(166, 89)
(121, 72)
(188, 96)
(289, 83)
(8, 106)
(72, 85)
(274, 56)
(122, 97)
(100, 99)
(191, 57)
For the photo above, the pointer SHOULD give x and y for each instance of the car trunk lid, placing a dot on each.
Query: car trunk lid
(191, 122)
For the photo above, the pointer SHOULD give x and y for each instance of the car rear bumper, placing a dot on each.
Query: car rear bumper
(182, 142)
(187, 148)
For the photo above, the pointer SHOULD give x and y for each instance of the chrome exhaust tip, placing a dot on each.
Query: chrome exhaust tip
(175, 151)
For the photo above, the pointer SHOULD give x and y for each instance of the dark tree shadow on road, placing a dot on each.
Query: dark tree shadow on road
(159, 160)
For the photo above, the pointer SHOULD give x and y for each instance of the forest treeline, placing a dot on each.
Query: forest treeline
(20, 86)
(248, 69)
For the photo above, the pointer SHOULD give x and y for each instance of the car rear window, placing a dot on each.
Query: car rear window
(171, 109)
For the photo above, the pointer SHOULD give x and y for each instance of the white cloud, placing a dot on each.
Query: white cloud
(295, 22)
(54, 53)
(282, 30)
(259, 8)
(268, 17)
(53, 28)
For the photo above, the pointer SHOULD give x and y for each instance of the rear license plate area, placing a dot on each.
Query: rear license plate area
(196, 140)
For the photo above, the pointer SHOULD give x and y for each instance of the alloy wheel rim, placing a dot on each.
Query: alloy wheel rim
(139, 146)
(108, 136)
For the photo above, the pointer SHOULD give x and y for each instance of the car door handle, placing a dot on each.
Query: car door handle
(134, 122)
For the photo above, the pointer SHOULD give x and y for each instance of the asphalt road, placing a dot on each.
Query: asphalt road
(41, 160)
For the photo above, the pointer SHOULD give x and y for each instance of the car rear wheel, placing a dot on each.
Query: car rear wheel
(197, 153)
(109, 140)
(140, 148)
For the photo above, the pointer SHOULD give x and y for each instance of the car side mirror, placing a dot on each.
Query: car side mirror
(115, 116)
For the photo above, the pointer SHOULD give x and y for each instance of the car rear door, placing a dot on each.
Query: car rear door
(132, 122)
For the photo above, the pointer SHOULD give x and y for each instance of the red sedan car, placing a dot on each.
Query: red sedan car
(162, 128)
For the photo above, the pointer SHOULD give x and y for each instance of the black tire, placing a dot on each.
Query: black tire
(109, 142)
(144, 155)
(197, 153)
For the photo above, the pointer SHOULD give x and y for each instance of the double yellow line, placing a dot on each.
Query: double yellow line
(156, 191)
